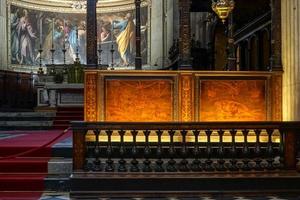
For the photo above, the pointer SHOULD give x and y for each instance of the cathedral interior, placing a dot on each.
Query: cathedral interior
(149, 99)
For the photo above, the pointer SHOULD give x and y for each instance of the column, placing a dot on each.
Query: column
(185, 35)
(290, 16)
(276, 63)
(156, 33)
(138, 55)
(91, 37)
(170, 26)
(3, 36)
(231, 57)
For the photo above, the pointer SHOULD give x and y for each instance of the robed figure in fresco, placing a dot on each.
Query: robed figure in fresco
(15, 40)
(27, 37)
(126, 39)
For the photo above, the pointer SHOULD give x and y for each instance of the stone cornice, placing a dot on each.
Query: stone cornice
(64, 6)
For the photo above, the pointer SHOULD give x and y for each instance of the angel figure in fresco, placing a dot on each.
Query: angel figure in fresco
(27, 37)
(126, 38)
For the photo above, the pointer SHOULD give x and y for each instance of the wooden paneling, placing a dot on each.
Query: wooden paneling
(160, 96)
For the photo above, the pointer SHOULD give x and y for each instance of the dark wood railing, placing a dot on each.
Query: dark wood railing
(17, 91)
(184, 147)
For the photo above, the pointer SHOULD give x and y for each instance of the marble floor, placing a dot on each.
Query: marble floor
(65, 196)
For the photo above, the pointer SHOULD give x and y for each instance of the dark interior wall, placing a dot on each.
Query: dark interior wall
(245, 10)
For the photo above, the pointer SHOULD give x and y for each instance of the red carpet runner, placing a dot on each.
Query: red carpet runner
(26, 172)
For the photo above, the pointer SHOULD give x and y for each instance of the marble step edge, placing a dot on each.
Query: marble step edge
(27, 114)
(26, 123)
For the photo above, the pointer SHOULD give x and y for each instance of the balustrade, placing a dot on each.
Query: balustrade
(184, 147)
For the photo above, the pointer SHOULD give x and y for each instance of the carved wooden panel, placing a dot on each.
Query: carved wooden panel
(187, 98)
(90, 97)
(233, 100)
(139, 100)
(78, 150)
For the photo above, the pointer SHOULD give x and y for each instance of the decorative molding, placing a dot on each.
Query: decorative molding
(65, 6)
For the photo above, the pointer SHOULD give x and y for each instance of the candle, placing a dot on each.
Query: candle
(52, 32)
(64, 32)
(41, 30)
(64, 27)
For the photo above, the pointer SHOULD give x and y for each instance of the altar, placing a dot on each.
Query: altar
(183, 96)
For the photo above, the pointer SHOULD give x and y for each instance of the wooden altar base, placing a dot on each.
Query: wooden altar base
(96, 185)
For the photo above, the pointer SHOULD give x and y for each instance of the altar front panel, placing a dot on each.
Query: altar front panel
(233, 100)
(161, 96)
(138, 99)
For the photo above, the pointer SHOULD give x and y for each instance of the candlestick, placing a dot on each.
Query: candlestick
(41, 71)
(77, 44)
(112, 47)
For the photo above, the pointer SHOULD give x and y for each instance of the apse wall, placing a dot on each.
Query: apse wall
(34, 26)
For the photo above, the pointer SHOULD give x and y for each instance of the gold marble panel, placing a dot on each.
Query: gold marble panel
(138, 100)
(233, 100)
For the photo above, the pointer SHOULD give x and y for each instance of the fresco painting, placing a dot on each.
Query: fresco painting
(32, 28)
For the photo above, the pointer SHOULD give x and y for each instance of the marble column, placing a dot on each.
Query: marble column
(91, 38)
(156, 33)
(290, 16)
(162, 31)
(3, 36)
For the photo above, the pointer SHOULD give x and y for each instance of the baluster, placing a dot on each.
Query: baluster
(109, 151)
(270, 152)
(258, 159)
(122, 162)
(159, 162)
(134, 162)
(97, 161)
(147, 152)
(221, 160)
(208, 161)
(196, 164)
(171, 165)
(89, 156)
(246, 152)
(233, 152)
(88, 165)
(183, 165)
(281, 149)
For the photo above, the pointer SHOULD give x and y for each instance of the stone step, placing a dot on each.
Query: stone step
(28, 114)
(60, 166)
(26, 123)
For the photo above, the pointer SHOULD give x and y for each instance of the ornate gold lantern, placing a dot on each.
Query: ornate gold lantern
(223, 8)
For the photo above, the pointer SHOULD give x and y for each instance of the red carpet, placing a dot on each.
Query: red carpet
(20, 195)
(26, 172)
(65, 115)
